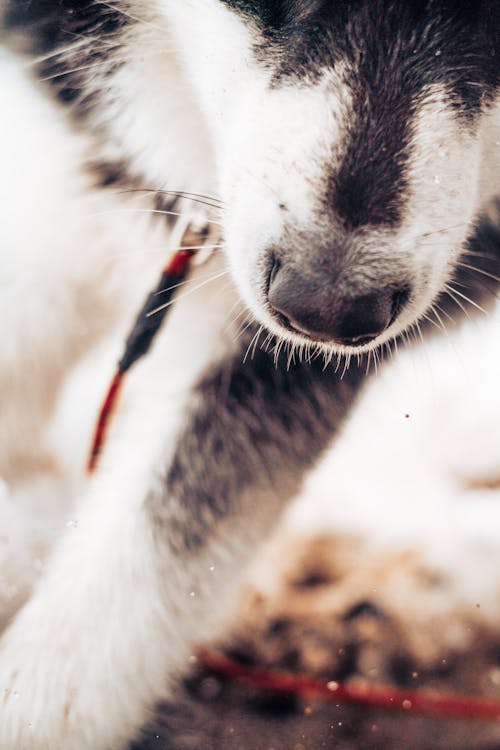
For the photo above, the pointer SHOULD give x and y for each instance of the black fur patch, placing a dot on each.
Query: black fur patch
(51, 23)
(86, 32)
(257, 428)
(390, 52)
(112, 174)
(276, 14)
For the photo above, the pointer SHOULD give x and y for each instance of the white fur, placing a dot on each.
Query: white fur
(111, 625)
(57, 236)
(51, 662)
(93, 648)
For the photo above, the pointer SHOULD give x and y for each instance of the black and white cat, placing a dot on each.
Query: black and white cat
(351, 152)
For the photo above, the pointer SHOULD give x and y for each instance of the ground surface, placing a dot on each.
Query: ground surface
(306, 628)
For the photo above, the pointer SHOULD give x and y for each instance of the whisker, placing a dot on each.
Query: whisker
(234, 306)
(241, 314)
(337, 364)
(232, 322)
(443, 229)
(83, 41)
(61, 73)
(244, 328)
(432, 322)
(480, 271)
(328, 358)
(161, 251)
(190, 291)
(254, 338)
(468, 299)
(457, 302)
(484, 286)
(106, 65)
(456, 282)
(142, 21)
(181, 283)
(146, 211)
(368, 362)
(388, 350)
(347, 363)
(479, 254)
(216, 246)
(277, 351)
(316, 352)
(444, 312)
(396, 350)
(267, 341)
(179, 193)
(419, 329)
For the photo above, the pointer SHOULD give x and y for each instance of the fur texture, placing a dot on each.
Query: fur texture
(347, 147)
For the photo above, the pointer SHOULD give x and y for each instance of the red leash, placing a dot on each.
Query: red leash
(145, 328)
(427, 703)
(103, 419)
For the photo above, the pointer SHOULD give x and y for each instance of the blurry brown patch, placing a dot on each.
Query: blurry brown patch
(331, 607)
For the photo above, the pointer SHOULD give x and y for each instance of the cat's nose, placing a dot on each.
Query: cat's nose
(312, 305)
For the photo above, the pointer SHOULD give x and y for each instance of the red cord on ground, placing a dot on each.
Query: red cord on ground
(439, 705)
